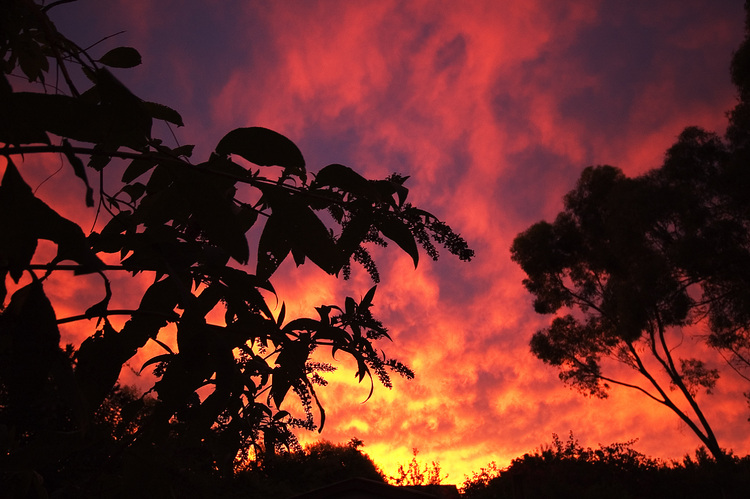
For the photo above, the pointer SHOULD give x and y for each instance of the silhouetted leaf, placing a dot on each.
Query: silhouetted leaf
(273, 246)
(165, 357)
(302, 324)
(387, 188)
(346, 179)
(186, 150)
(39, 221)
(280, 415)
(263, 147)
(138, 167)
(280, 386)
(121, 57)
(367, 300)
(162, 112)
(80, 171)
(395, 230)
(31, 56)
(217, 219)
(18, 241)
(135, 191)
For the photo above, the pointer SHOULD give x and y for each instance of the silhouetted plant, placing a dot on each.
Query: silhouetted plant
(415, 474)
(185, 223)
(567, 470)
(317, 465)
(631, 264)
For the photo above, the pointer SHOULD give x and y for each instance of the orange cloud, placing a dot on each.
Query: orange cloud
(494, 108)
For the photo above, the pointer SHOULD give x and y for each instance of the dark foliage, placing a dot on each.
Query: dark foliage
(567, 470)
(631, 264)
(182, 222)
(313, 467)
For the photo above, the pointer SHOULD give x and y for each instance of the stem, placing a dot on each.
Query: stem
(56, 3)
(712, 444)
(74, 318)
(71, 267)
(164, 159)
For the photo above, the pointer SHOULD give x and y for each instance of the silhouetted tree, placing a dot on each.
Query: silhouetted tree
(317, 465)
(185, 224)
(636, 262)
(416, 474)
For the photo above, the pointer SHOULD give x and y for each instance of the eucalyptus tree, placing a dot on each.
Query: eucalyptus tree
(632, 266)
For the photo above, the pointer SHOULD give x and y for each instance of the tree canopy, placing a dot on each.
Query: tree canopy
(185, 223)
(633, 265)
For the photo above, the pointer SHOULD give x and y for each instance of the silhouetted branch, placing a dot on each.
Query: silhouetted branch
(81, 317)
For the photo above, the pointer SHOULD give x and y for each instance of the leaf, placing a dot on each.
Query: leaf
(186, 150)
(165, 357)
(163, 345)
(280, 415)
(244, 287)
(353, 234)
(137, 167)
(367, 300)
(350, 306)
(346, 179)
(280, 386)
(18, 242)
(79, 170)
(39, 221)
(273, 246)
(135, 191)
(302, 324)
(213, 210)
(31, 57)
(387, 188)
(102, 156)
(263, 147)
(397, 231)
(222, 227)
(306, 234)
(121, 57)
(162, 112)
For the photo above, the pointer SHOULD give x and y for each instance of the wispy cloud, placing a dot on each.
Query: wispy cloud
(493, 108)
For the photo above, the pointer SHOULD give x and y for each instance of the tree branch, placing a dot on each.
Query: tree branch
(170, 317)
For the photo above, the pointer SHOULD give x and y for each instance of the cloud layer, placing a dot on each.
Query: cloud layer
(493, 108)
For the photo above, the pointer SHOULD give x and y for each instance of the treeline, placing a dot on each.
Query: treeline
(560, 469)
(567, 470)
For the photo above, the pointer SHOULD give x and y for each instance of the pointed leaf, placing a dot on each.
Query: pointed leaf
(79, 170)
(162, 112)
(137, 167)
(273, 246)
(165, 357)
(367, 300)
(121, 57)
(397, 231)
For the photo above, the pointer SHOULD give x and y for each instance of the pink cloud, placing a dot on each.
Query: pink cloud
(494, 108)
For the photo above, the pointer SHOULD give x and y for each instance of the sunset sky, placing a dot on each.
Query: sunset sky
(493, 108)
